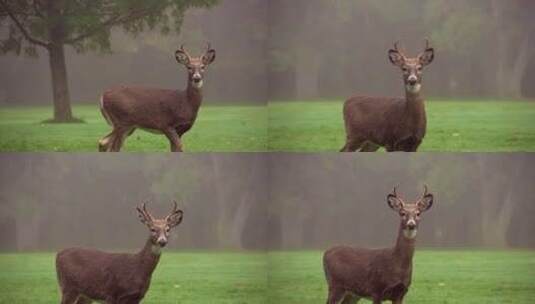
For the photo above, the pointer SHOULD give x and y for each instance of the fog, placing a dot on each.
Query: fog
(480, 200)
(332, 49)
(309, 49)
(235, 29)
(260, 201)
(52, 201)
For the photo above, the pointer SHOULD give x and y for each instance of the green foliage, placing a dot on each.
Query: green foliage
(439, 276)
(218, 128)
(87, 25)
(453, 125)
(200, 277)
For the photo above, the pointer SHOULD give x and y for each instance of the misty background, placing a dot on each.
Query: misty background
(333, 49)
(258, 201)
(308, 49)
(480, 200)
(53, 201)
(236, 30)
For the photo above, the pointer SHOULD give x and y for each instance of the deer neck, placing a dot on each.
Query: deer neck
(148, 257)
(404, 249)
(194, 96)
(416, 108)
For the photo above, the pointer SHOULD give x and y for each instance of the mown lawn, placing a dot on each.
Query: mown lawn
(444, 277)
(218, 128)
(226, 278)
(440, 276)
(453, 125)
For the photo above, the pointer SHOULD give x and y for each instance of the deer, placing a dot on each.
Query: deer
(160, 111)
(377, 274)
(87, 275)
(397, 124)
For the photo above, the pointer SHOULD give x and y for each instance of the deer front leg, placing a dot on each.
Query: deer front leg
(174, 140)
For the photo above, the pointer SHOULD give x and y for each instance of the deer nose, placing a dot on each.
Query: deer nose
(162, 243)
(412, 80)
(197, 77)
(411, 224)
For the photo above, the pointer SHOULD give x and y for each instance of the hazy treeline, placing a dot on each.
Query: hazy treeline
(51, 201)
(331, 49)
(480, 199)
(304, 49)
(236, 29)
(258, 201)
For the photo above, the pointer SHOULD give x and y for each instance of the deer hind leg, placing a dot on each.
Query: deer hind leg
(350, 299)
(335, 296)
(118, 137)
(352, 144)
(104, 142)
(68, 297)
(174, 140)
(369, 147)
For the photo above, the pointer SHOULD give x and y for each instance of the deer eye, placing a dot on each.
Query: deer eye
(404, 69)
(402, 213)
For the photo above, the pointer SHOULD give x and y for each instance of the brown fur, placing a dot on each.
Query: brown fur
(86, 275)
(376, 274)
(161, 111)
(398, 124)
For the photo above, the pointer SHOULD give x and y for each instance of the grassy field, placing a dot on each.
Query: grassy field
(229, 278)
(482, 126)
(218, 128)
(446, 276)
(471, 277)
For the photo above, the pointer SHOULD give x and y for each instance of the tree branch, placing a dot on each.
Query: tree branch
(21, 27)
(118, 19)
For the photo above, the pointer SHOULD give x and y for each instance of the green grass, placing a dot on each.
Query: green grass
(440, 276)
(456, 276)
(218, 128)
(183, 278)
(482, 126)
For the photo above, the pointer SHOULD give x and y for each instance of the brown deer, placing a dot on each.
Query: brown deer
(161, 111)
(87, 275)
(376, 274)
(398, 124)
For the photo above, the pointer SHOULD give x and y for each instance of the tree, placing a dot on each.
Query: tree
(85, 25)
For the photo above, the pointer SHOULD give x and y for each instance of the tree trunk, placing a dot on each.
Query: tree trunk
(60, 89)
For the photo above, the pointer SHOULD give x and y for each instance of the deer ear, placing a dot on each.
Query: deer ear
(396, 58)
(181, 57)
(394, 202)
(427, 56)
(426, 202)
(175, 218)
(208, 57)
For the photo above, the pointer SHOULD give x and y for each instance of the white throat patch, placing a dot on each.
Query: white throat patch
(156, 249)
(409, 233)
(413, 88)
(198, 85)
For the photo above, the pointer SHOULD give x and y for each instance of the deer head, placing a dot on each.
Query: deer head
(159, 228)
(411, 67)
(195, 65)
(410, 212)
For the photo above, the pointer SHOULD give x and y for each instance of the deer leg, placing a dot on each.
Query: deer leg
(84, 300)
(104, 142)
(335, 295)
(118, 138)
(174, 140)
(350, 299)
(352, 145)
(369, 147)
(69, 298)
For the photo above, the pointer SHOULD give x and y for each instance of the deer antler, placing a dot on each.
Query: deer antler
(426, 43)
(183, 50)
(208, 46)
(143, 211)
(399, 48)
(394, 192)
(425, 190)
